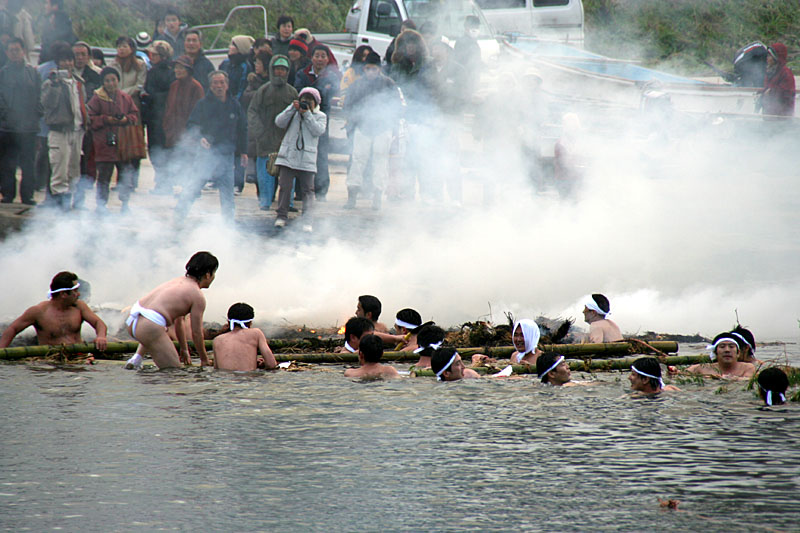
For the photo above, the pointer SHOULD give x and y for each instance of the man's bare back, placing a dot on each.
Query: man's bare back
(239, 349)
(604, 330)
(372, 370)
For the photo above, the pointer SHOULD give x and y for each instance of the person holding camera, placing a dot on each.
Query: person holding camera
(64, 104)
(109, 109)
(297, 156)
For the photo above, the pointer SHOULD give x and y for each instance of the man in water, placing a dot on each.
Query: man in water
(238, 349)
(601, 329)
(725, 349)
(447, 365)
(354, 330)
(747, 341)
(370, 307)
(58, 320)
(525, 336)
(553, 369)
(152, 315)
(429, 339)
(370, 351)
(645, 377)
(772, 385)
(407, 324)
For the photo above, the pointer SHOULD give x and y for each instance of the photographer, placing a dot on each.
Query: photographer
(109, 109)
(63, 103)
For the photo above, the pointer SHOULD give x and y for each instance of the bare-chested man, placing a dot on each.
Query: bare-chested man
(370, 351)
(645, 377)
(553, 369)
(370, 307)
(238, 349)
(407, 323)
(59, 319)
(725, 349)
(152, 315)
(747, 342)
(601, 329)
(525, 336)
(354, 330)
(429, 339)
(447, 365)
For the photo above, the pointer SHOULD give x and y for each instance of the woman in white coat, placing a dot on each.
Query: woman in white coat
(297, 157)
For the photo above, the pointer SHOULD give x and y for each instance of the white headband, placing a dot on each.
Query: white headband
(434, 345)
(558, 362)
(769, 395)
(51, 293)
(242, 323)
(660, 381)
(591, 304)
(442, 371)
(744, 340)
(348, 347)
(713, 347)
(407, 325)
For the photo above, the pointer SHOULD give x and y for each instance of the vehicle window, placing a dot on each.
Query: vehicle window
(383, 18)
(550, 3)
(501, 4)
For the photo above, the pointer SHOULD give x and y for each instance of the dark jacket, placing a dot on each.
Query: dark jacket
(21, 87)
(101, 107)
(175, 42)
(156, 88)
(267, 103)
(202, 68)
(280, 47)
(91, 80)
(57, 104)
(222, 124)
(237, 68)
(327, 84)
(373, 106)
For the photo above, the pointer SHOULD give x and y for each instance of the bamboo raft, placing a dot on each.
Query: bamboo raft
(118, 350)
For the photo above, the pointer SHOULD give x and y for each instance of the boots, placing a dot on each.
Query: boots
(352, 195)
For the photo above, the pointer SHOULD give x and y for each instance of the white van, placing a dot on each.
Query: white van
(560, 20)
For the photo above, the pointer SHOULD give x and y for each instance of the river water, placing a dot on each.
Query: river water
(103, 449)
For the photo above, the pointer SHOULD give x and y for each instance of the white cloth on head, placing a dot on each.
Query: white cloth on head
(558, 362)
(531, 334)
(137, 311)
(404, 324)
(713, 347)
(769, 395)
(445, 367)
(591, 304)
(241, 323)
(660, 381)
(752, 348)
(434, 345)
(64, 289)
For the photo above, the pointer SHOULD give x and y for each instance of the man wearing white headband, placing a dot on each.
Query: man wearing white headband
(553, 369)
(238, 349)
(429, 339)
(601, 329)
(406, 324)
(447, 366)
(58, 319)
(645, 377)
(725, 349)
(525, 337)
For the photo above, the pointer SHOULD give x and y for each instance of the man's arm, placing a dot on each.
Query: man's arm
(183, 348)
(266, 353)
(97, 323)
(28, 318)
(198, 308)
(388, 338)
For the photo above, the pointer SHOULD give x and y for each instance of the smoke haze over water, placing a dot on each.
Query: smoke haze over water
(677, 232)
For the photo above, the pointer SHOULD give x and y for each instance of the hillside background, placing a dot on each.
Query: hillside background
(675, 35)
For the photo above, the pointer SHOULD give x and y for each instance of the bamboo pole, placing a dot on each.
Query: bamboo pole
(501, 352)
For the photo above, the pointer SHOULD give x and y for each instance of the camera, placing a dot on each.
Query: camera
(111, 138)
(304, 106)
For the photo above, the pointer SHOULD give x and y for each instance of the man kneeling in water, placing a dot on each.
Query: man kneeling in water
(238, 349)
(151, 316)
(370, 351)
(772, 385)
(447, 365)
(645, 377)
(724, 348)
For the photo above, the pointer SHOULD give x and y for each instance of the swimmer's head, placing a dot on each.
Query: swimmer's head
(407, 320)
(552, 368)
(596, 308)
(429, 338)
(240, 314)
(645, 375)
(63, 285)
(370, 347)
(772, 385)
(369, 307)
(447, 365)
(747, 342)
(355, 328)
(525, 336)
(201, 265)
(725, 346)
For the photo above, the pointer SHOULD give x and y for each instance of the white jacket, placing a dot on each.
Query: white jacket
(299, 146)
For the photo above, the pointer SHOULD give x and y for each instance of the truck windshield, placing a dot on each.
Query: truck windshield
(446, 16)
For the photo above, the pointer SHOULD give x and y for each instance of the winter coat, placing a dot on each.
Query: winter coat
(373, 106)
(175, 42)
(267, 103)
(183, 96)
(327, 84)
(20, 86)
(280, 47)
(101, 107)
(131, 80)
(780, 98)
(297, 66)
(222, 124)
(59, 114)
(156, 88)
(237, 68)
(91, 79)
(202, 67)
(298, 149)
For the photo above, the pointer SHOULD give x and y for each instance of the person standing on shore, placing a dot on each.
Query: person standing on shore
(779, 86)
(280, 43)
(173, 32)
(201, 66)
(154, 103)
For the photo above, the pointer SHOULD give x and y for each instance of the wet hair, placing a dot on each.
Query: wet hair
(356, 327)
(127, 40)
(602, 302)
(545, 361)
(370, 304)
(217, 73)
(775, 380)
(200, 264)
(749, 339)
(283, 19)
(98, 54)
(429, 333)
(63, 280)
(109, 70)
(63, 53)
(371, 347)
(241, 311)
(440, 358)
(649, 365)
(410, 316)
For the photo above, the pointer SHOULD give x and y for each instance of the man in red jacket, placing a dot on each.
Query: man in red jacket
(778, 96)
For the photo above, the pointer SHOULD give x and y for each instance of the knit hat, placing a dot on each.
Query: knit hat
(185, 61)
(243, 43)
(300, 46)
(313, 92)
(143, 39)
(373, 59)
(109, 70)
(280, 61)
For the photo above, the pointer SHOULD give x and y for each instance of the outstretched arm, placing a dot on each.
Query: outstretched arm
(266, 353)
(97, 323)
(28, 318)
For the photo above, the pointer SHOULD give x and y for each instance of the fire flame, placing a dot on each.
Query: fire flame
(341, 331)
